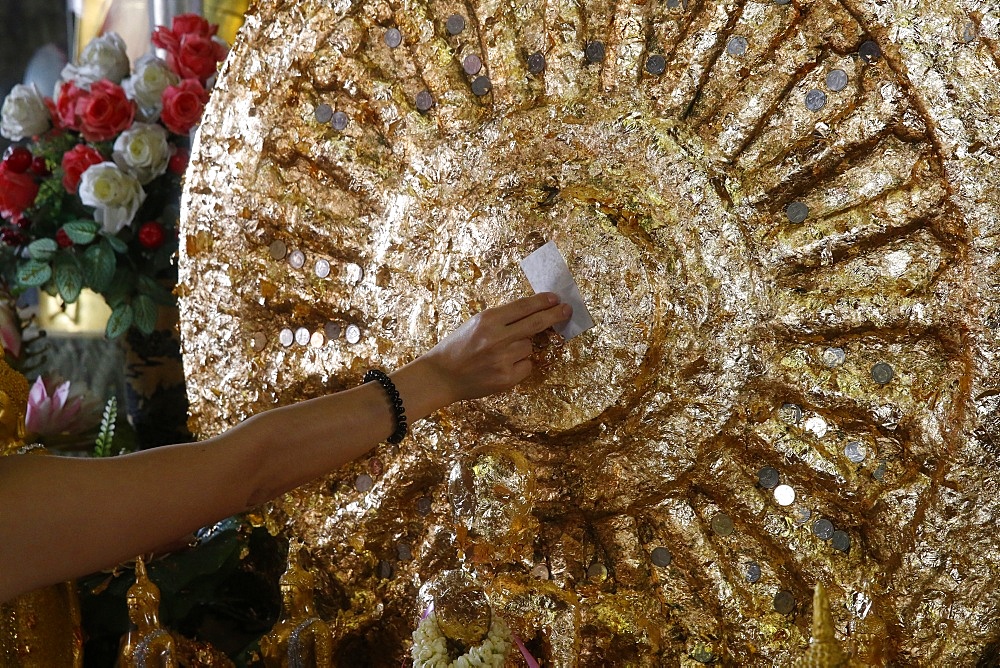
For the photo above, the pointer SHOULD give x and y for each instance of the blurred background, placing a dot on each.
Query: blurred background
(38, 37)
(224, 592)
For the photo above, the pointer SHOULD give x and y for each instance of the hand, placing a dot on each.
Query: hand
(491, 351)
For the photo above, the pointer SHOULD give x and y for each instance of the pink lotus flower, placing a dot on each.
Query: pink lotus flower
(10, 330)
(53, 410)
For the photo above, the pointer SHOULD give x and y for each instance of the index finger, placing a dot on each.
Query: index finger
(520, 309)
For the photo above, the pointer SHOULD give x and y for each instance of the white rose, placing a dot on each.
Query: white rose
(142, 151)
(115, 195)
(103, 58)
(146, 86)
(24, 113)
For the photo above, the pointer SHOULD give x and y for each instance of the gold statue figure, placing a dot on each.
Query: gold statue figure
(42, 627)
(149, 644)
(300, 638)
(824, 650)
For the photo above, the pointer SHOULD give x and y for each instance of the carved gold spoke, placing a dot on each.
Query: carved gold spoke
(783, 235)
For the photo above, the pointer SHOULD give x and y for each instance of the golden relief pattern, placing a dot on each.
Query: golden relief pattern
(782, 217)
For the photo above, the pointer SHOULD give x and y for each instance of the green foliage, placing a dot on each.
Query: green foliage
(42, 250)
(120, 320)
(34, 273)
(106, 432)
(99, 266)
(68, 276)
(144, 314)
(223, 590)
(81, 231)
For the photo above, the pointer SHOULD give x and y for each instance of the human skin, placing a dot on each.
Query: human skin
(65, 517)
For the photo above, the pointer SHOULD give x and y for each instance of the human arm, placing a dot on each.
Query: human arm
(61, 517)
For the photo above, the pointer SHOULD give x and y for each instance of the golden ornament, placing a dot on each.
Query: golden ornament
(300, 637)
(764, 204)
(40, 627)
(148, 643)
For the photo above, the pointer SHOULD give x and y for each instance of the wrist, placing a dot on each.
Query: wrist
(424, 388)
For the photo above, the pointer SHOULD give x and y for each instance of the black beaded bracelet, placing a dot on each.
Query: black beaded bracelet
(397, 403)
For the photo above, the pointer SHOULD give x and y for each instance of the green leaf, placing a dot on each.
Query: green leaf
(144, 314)
(34, 274)
(99, 266)
(119, 322)
(155, 290)
(42, 249)
(121, 288)
(106, 433)
(68, 277)
(81, 231)
(116, 244)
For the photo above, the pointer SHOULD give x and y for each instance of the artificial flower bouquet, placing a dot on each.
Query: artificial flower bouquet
(90, 191)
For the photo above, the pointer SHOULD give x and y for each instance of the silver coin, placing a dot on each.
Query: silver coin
(815, 99)
(834, 357)
(323, 113)
(856, 451)
(393, 38)
(797, 212)
(736, 46)
(277, 249)
(836, 80)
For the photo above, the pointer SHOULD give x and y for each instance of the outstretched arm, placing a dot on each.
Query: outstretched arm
(61, 518)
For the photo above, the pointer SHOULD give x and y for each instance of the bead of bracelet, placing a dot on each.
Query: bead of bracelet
(394, 399)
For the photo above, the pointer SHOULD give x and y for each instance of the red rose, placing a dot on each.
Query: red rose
(63, 239)
(197, 57)
(183, 105)
(191, 51)
(184, 24)
(17, 193)
(105, 112)
(75, 162)
(65, 110)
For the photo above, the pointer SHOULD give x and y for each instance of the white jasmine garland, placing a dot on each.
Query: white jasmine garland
(24, 113)
(115, 195)
(104, 57)
(142, 151)
(152, 77)
(430, 647)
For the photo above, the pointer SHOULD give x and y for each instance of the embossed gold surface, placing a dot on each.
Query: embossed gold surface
(669, 195)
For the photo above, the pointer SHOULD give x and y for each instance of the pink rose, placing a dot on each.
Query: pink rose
(183, 105)
(17, 192)
(105, 112)
(75, 162)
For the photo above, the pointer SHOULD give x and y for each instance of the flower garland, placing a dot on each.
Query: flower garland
(430, 647)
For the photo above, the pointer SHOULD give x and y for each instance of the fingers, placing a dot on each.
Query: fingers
(525, 306)
(520, 349)
(539, 321)
(521, 370)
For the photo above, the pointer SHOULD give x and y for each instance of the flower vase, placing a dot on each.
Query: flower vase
(155, 394)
